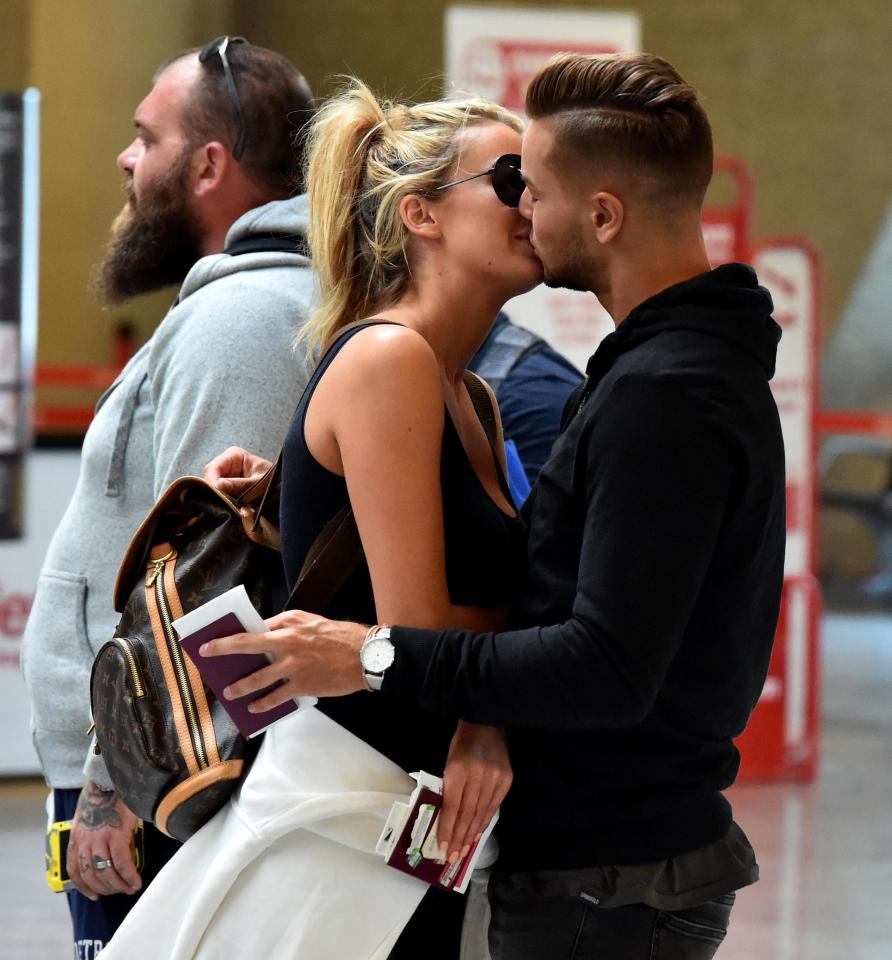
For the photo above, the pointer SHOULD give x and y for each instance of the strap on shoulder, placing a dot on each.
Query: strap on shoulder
(485, 408)
(333, 556)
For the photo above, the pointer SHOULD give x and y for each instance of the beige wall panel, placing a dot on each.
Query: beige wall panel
(93, 62)
(13, 44)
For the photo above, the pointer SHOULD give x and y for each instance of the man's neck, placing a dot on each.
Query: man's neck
(218, 225)
(630, 280)
(214, 240)
(431, 307)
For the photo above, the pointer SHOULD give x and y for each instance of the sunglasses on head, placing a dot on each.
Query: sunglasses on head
(219, 47)
(507, 182)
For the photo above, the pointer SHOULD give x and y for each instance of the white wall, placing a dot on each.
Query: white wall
(858, 360)
(50, 476)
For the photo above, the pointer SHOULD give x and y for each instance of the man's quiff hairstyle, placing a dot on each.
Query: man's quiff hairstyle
(278, 106)
(627, 112)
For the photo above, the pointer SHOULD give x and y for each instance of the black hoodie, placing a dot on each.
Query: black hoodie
(656, 553)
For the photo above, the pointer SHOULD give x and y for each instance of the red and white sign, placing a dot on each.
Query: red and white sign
(502, 69)
(789, 269)
(727, 225)
(494, 52)
(782, 738)
(781, 741)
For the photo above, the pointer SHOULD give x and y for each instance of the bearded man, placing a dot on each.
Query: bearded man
(213, 204)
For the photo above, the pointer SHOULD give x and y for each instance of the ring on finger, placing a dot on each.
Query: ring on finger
(100, 864)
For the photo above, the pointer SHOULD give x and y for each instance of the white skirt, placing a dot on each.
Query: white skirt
(287, 869)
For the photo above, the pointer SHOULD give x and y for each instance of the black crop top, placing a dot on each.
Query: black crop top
(485, 561)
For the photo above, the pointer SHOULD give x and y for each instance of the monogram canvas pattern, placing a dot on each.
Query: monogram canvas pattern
(136, 725)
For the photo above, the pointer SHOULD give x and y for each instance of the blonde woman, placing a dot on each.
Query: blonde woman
(413, 221)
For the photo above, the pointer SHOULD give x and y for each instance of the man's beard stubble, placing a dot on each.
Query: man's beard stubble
(570, 274)
(563, 279)
(155, 240)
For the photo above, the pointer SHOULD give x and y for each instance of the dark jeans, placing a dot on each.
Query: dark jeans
(95, 921)
(527, 926)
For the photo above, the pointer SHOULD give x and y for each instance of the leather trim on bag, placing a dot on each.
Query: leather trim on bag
(228, 770)
(260, 531)
(170, 678)
(134, 555)
(195, 681)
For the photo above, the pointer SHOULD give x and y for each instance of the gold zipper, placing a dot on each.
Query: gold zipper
(125, 648)
(177, 657)
(158, 566)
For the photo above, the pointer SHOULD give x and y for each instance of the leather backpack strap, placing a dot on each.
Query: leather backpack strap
(485, 407)
(262, 493)
(259, 489)
(330, 561)
(332, 557)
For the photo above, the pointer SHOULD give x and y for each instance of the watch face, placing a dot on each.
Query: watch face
(377, 655)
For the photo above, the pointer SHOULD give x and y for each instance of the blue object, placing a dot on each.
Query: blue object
(518, 483)
(532, 382)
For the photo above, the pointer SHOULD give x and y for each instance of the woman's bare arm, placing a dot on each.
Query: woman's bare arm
(376, 417)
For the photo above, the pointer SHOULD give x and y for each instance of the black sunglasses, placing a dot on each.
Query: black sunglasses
(507, 181)
(219, 47)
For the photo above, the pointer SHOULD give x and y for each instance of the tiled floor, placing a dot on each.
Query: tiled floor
(825, 850)
(33, 921)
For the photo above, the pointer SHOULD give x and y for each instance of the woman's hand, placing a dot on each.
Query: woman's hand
(234, 470)
(478, 775)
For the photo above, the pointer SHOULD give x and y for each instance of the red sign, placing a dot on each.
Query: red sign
(782, 737)
(781, 741)
(502, 69)
(726, 226)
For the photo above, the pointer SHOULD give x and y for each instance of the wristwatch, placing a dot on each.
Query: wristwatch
(376, 655)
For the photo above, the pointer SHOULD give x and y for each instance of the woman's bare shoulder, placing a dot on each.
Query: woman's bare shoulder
(386, 352)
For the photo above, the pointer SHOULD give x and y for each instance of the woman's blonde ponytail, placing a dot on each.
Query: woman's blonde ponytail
(336, 160)
(363, 157)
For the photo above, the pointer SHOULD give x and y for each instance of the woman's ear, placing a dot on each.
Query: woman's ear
(420, 217)
(606, 216)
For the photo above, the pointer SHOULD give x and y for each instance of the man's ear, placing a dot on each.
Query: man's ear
(210, 166)
(420, 217)
(606, 216)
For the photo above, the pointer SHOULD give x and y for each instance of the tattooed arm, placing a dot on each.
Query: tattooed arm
(101, 830)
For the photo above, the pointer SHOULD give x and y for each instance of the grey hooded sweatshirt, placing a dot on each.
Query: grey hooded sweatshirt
(220, 370)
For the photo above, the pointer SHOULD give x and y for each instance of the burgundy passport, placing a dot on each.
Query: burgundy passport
(219, 672)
